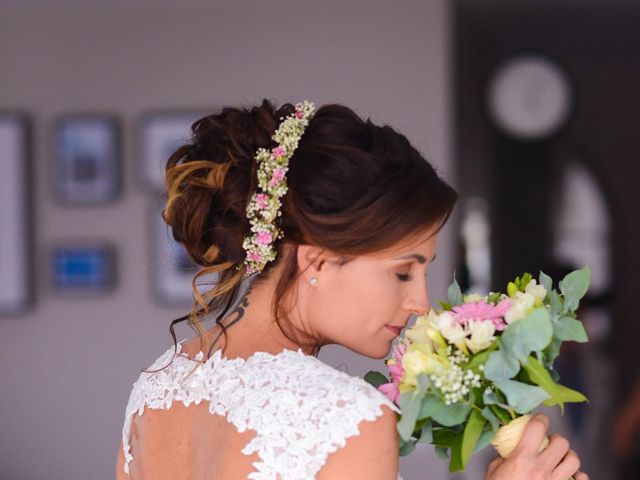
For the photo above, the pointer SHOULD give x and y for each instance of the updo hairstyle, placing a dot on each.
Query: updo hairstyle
(354, 188)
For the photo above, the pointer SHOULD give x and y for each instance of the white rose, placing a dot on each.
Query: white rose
(416, 362)
(481, 336)
(444, 320)
(538, 291)
(522, 305)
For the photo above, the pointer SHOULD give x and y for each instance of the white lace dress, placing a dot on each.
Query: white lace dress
(278, 396)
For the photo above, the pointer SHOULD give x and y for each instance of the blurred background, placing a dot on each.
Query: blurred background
(528, 108)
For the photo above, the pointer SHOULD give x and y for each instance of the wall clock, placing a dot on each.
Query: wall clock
(529, 97)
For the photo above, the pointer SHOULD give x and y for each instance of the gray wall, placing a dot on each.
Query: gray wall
(67, 366)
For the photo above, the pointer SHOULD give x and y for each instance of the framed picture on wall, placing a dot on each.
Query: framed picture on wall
(16, 247)
(87, 159)
(82, 267)
(161, 134)
(172, 268)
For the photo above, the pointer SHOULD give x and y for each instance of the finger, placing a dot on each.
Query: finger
(533, 435)
(581, 476)
(568, 467)
(495, 463)
(553, 454)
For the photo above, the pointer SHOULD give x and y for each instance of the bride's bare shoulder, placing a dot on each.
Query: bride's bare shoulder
(371, 455)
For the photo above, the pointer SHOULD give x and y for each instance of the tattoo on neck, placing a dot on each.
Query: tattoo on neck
(236, 314)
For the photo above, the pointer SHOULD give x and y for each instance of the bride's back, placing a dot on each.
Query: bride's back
(286, 416)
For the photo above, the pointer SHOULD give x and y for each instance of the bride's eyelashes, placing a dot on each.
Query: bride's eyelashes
(404, 277)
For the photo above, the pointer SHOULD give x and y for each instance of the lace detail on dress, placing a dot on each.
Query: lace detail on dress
(300, 408)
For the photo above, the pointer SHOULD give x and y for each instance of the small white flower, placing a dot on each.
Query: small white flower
(538, 291)
(522, 305)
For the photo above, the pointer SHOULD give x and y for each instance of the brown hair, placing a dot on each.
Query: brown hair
(347, 179)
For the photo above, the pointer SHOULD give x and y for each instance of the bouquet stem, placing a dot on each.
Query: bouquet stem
(508, 436)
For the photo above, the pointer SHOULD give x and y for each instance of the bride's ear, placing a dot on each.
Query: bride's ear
(311, 259)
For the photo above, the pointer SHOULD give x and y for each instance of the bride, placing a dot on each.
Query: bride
(319, 228)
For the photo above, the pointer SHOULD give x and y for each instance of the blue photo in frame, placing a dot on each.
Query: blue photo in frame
(83, 268)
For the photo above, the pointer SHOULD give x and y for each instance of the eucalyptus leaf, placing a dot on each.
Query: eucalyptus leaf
(407, 447)
(522, 397)
(426, 432)
(484, 440)
(570, 329)
(442, 452)
(409, 406)
(556, 303)
(472, 432)
(552, 351)
(533, 332)
(454, 294)
(447, 415)
(500, 366)
(545, 281)
(493, 420)
(375, 378)
(574, 286)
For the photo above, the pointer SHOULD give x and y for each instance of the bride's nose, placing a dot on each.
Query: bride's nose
(417, 298)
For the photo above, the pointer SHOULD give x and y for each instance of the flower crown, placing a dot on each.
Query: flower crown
(264, 206)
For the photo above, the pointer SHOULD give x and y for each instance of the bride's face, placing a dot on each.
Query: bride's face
(364, 304)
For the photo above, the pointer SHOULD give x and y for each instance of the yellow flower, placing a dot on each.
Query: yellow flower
(420, 359)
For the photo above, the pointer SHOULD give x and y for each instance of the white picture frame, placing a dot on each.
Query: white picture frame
(16, 239)
(161, 133)
(172, 269)
(87, 159)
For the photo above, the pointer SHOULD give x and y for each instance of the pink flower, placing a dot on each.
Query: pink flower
(276, 177)
(483, 312)
(264, 237)
(391, 390)
(279, 151)
(255, 257)
(299, 114)
(261, 200)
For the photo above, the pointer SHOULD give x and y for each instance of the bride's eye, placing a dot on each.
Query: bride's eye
(404, 277)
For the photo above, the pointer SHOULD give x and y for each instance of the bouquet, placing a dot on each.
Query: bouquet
(470, 373)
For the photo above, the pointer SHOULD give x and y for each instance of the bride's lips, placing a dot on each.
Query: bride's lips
(395, 330)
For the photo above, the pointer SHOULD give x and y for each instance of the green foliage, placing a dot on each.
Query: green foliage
(471, 435)
(445, 305)
(426, 432)
(558, 394)
(447, 415)
(442, 452)
(375, 378)
(501, 366)
(519, 284)
(574, 286)
(456, 464)
(545, 281)
(521, 396)
(532, 333)
(570, 329)
(494, 297)
(492, 418)
(410, 406)
(454, 294)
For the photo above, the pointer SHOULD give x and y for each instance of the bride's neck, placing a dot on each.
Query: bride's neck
(251, 325)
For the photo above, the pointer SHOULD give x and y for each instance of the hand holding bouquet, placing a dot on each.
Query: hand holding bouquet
(470, 373)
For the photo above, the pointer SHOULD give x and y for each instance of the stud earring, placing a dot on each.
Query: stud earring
(313, 281)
